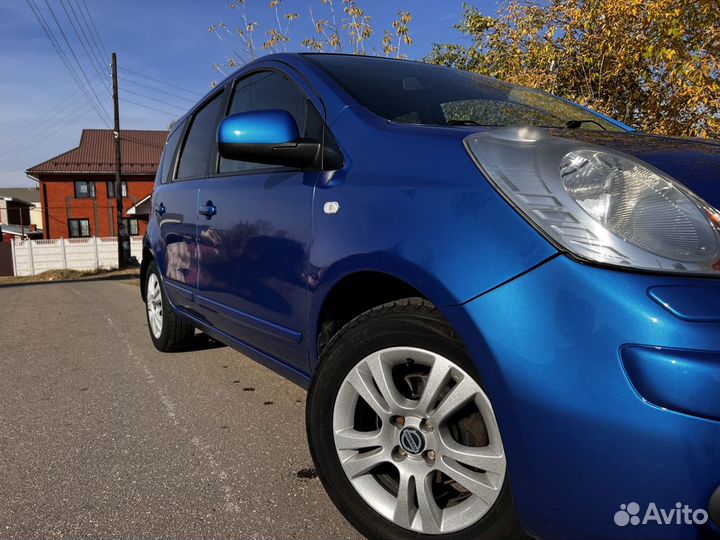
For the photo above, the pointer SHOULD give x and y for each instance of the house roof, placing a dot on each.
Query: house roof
(140, 152)
(28, 195)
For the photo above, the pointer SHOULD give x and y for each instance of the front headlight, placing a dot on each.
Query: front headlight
(598, 204)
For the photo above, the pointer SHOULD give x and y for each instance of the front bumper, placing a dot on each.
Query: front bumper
(557, 348)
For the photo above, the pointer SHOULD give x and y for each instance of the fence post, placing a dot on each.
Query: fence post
(97, 255)
(64, 255)
(14, 258)
(32, 259)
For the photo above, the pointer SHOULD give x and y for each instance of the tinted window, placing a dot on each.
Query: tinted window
(131, 226)
(84, 189)
(111, 189)
(270, 90)
(417, 93)
(164, 170)
(201, 141)
(79, 228)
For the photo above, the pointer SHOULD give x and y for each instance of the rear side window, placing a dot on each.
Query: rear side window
(201, 141)
(271, 90)
(164, 172)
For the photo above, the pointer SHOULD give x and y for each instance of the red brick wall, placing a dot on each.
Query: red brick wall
(59, 203)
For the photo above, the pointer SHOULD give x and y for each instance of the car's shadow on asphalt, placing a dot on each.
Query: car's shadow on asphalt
(203, 342)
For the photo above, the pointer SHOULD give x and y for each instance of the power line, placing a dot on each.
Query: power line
(58, 49)
(164, 102)
(149, 107)
(190, 100)
(92, 23)
(61, 54)
(125, 137)
(164, 83)
(83, 108)
(84, 42)
(42, 131)
(72, 51)
(63, 104)
(88, 22)
(45, 122)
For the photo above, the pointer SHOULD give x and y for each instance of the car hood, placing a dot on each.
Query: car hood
(693, 162)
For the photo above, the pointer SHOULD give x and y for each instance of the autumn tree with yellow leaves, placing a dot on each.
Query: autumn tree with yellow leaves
(338, 26)
(653, 64)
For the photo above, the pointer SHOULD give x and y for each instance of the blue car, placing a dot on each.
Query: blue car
(505, 307)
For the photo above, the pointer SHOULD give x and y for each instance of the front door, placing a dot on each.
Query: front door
(254, 238)
(175, 204)
(176, 208)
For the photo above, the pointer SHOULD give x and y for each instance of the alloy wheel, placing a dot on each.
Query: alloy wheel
(154, 306)
(417, 438)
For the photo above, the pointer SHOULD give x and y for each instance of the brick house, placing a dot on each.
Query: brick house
(78, 187)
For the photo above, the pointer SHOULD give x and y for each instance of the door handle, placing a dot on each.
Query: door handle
(208, 210)
(160, 209)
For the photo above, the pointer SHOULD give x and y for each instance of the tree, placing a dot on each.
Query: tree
(338, 26)
(653, 64)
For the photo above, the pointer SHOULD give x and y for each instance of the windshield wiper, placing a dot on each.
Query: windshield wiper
(575, 124)
(570, 124)
(462, 123)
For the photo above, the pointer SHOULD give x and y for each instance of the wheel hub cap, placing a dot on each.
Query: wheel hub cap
(412, 440)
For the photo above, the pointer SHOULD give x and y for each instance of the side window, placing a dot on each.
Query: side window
(84, 189)
(271, 90)
(111, 189)
(201, 141)
(164, 172)
(79, 228)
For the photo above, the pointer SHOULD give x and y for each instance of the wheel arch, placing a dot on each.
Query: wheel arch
(354, 294)
(349, 289)
(147, 258)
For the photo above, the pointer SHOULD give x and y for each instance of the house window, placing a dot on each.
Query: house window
(132, 227)
(84, 189)
(111, 189)
(79, 228)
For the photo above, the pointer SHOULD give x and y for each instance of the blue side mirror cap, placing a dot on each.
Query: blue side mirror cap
(270, 137)
(258, 127)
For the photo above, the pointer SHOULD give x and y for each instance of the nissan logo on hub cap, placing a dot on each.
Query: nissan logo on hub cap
(412, 441)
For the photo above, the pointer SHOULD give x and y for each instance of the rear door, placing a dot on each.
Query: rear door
(175, 204)
(254, 250)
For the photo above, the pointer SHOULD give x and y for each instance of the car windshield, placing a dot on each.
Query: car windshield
(417, 93)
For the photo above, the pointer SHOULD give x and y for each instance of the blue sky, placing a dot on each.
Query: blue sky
(42, 111)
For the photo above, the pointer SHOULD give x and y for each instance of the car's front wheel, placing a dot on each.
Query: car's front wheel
(168, 332)
(402, 433)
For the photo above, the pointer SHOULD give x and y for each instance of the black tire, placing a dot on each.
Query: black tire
(176, 335)
(410, 322)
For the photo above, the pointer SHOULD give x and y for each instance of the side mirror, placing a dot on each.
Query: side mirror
(270, 137)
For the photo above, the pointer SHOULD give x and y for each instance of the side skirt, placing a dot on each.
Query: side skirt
(298, 377)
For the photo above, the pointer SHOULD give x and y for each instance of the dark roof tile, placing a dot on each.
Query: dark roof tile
(140, 151)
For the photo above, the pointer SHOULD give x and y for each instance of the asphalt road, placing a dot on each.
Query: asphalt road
(103, 436)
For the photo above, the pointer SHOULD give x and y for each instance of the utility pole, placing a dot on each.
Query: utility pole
(123, 238)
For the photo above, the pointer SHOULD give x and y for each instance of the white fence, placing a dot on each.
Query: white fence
(32, 257)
